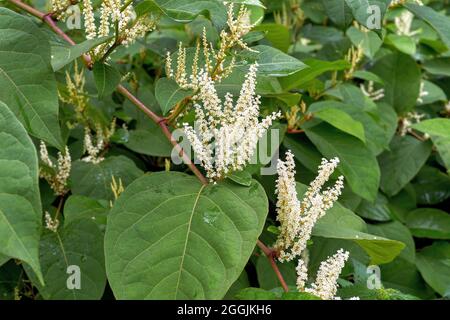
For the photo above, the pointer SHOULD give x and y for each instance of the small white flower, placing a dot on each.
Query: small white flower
(297, 218)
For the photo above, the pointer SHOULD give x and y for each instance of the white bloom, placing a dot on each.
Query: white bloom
(51, 224)
(297, 219)
(404, 23)
(371, 93)
(58, 175)
(422, 92)
(226, 134)
(326, 285)
(410, 119)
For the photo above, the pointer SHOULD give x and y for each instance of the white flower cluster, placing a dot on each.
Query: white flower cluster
(101, 140)
(297, 219)
(395, 3)
(56, 175)
(404, 23)
(118, 16)
(371, 93)
(51, 224)
(226, 134)
(407, 121)
(59, 8)
(214, 59)
(422, 93)
(326, 285)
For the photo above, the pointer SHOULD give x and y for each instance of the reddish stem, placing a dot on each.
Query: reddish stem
(271, 254)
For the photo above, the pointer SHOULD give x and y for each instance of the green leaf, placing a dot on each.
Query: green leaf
(241, 283)
(402, 78)
(26, 77)
(106, 77)
(341, 223)
(435, 93)
(341, 120)
(62, 54)
(78, 244)
(438, 67)
(364, 13)
(168, 94)
(439, 130)
(94, 180)
(429, 223)
(357, 163)
(402, 162)
(438, 21)
(432, 186)
(80, 207)
(368, 76)
(278, 35)
(404, 44)
(377, 210)
(268, 280)
(369, 41)
(20, 203)
(316, 68)
(170, 237)
(339, 12)
(185, 10)
(434, 265)
(272, 62)
(298, 296)
(149, 141)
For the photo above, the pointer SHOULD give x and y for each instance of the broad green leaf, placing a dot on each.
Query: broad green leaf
(168, 93)
(403, 44)
(94, 180)
(26, 77)
(369, 13)
(278, 35)
(64, 54)
(185, 10)
(369, 41)
(241, 283)
(341, 120)
(316, 68)
(106, 77)
(357, 163)
(20, 203)
(402, 78)
(78, 247)
(376, 211)
(170, 237)
(3, 259)
(429, 223)
(149, 141)
(368, 76)
(402, 162)
(341, 223)
(273, 62)
(438, 67)
(438, 21)
(79, 207)
(339, 12)
(432, 186)
(435, 93)
(434, 265)
(439, 130)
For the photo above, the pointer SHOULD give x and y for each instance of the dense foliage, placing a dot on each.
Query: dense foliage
(98, 99)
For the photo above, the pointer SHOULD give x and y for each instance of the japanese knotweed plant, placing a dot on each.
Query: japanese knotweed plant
(140, 143)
